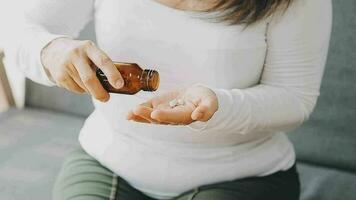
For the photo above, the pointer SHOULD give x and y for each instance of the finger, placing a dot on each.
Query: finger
(177, 115)
(136, 118)
(161, 99)
(75, 76)
(90, 80)
(72, 86)
(102, 61)
(199, 113)
(148, 103)
(203, 111)
(145, 113)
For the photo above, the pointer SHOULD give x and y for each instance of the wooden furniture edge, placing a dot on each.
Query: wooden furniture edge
(6, 97)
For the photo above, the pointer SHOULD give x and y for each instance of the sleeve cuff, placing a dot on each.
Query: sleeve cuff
(40, 75)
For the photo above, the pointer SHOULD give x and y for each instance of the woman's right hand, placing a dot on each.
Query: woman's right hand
(69, 63)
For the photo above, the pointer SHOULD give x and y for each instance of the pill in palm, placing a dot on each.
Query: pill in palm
(180, 102)
(173, 103)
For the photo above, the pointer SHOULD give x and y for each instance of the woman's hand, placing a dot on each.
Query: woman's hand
(69, 63)
(179, 107)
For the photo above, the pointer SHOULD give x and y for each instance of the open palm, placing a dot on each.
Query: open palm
(200, 103)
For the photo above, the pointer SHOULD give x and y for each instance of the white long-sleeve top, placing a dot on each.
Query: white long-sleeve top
(266, 77)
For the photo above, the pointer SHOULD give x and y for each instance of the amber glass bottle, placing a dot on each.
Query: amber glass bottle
(135, 79)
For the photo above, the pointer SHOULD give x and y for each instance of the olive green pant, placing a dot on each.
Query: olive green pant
(83, 178)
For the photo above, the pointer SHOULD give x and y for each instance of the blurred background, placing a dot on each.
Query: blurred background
(39, 127)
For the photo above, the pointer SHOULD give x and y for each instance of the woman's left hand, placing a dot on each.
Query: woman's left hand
(178, 107)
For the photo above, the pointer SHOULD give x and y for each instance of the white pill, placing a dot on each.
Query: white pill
(173, 103)
(180, 102)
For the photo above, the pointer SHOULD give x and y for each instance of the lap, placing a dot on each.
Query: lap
(84, 178)
(279, 186)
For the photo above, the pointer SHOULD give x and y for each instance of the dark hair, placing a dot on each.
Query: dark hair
(246, 11)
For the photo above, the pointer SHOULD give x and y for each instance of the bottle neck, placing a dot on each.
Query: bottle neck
(149, 80)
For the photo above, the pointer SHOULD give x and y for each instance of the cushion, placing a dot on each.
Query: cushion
(322, 183)
(33, 143)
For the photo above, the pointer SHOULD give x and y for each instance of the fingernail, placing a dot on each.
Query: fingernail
(198, 116)
(119, 84)
(154, 115)
(104, 99)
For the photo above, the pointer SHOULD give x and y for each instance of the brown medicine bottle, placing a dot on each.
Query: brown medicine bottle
(135, 79)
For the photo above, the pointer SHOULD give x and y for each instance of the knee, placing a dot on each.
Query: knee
(82, 177)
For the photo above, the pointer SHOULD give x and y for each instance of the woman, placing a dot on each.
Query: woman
(247, 71)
